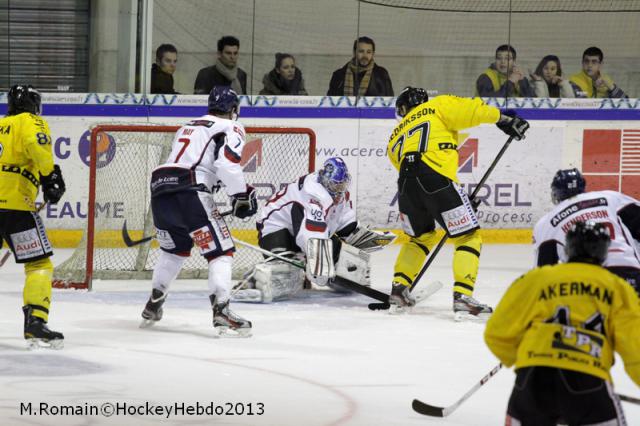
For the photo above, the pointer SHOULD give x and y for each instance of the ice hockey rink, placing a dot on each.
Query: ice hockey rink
(321, 359)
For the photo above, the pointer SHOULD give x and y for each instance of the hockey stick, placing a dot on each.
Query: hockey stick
(131, 243)
(443, 240)
(5, 257)
(348, 284)
(435, 411)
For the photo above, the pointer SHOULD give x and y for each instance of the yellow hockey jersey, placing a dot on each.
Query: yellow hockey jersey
(25, 153)
(571, 316)
(432, 129)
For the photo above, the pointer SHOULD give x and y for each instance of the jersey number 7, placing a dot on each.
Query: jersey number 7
(186, 142)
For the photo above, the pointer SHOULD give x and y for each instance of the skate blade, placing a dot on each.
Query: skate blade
(399, 310)
(35, 344)
(231, 332)
(464, 316)
(146, 323)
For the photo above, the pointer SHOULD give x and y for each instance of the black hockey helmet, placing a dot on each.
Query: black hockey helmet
(587, 242)
(23, 98)
(223, 100)
(567, 183)
(409, 98)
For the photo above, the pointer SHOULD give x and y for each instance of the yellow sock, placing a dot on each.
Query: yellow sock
(411, 257)
(37, 287)
(466, 260)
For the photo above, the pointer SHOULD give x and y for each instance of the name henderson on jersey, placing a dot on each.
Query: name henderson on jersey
(407, 120)
(576, 289)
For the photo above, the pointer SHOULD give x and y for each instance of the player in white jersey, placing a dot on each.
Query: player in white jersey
(313, 218)
(206, 153)
(618, 212)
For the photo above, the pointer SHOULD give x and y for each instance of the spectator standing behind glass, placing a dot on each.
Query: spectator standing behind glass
(225, 72)
(284, 79)
(504, 77)
(162, 71)
(591, 82)
(547, 79)
(361, 76)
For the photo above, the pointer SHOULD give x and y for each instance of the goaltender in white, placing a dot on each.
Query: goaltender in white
(312, 219)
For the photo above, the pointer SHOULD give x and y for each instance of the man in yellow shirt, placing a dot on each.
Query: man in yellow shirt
(423, 148)
(591, 82)
(26, 162)
(560, 325)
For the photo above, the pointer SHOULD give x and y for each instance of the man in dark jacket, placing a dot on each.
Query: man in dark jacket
(361, 76)
(162, 71)
(225, 72)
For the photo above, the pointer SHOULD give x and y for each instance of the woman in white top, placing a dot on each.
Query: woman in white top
(547, 79)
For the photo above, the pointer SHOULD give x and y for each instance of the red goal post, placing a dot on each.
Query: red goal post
(121, 160)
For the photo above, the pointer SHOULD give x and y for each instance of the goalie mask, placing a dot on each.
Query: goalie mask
(23, 98)
(335, 177)
(224, 100)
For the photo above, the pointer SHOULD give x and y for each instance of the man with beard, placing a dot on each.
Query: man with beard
(361, 76)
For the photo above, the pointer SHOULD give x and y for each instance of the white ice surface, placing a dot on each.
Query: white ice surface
(321, 359)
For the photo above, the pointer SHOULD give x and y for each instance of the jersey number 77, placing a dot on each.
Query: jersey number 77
(423, 130)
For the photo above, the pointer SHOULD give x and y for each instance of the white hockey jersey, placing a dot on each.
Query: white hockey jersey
(307, 210)
(597, 206)
(204, 152)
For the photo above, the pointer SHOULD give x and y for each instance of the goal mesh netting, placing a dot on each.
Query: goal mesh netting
(122, 159)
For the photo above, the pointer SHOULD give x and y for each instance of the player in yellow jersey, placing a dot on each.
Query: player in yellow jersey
(560, 325)
(423, 148)
(26, 162)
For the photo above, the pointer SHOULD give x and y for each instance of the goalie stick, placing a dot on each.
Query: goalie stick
(131, 243)
(435, 411)
(436, 250)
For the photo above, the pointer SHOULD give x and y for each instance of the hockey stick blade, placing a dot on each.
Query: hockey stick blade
(419, 295)
(431, 410)
(127, 239)
(427, 410)
(131, 243)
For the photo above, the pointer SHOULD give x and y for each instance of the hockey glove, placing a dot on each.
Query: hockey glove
(53, 186)
(244, 204)
(512, 125)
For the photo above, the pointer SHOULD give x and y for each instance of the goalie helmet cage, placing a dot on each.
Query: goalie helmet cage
(121, 160)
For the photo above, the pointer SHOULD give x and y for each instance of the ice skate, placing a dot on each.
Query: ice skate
(400, 299)
(153, 310)
(226, 322)
(38, 335)
(466, 307)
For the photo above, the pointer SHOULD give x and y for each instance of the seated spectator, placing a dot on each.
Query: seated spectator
(503, 77)
(361, 76)
(547, 79)
(225, 72)
(284, 79)
(591, 82)
(162, 71)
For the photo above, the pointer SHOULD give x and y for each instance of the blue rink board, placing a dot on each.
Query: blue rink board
(84, 110)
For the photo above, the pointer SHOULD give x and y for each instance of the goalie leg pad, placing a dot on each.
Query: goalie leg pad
(320, 265)
(277, 280)
(354, 265)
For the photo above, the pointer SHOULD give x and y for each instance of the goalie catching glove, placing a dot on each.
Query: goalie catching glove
(244, 204)
(368, 240)
(512, 125)
(53, 186)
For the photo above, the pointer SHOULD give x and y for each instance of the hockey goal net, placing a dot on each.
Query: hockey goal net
(121, 160)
